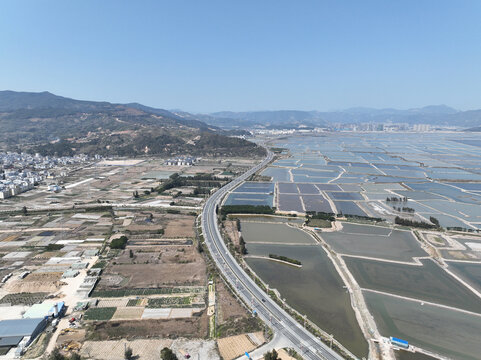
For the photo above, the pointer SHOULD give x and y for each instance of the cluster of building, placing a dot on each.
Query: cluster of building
(390, 127)
(21, 172)
(19, 333)
(182, 161)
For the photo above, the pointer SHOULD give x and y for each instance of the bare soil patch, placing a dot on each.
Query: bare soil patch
(171, 265)
(234, 346)
(36, 282)
(128, 313)
(231, 230)
(233, 318)
(180, 226)
(194, 327)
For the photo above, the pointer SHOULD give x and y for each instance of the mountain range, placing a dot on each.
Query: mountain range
(51, 124)
(433, 115)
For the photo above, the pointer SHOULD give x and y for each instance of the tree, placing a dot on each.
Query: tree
(56, 355)
(119, 243)
(24, 211)
(167, 354)
(128, 353)
(434, 221)
(75, 356)
(272, 355)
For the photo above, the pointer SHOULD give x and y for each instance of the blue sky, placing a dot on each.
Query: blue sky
(246, 55)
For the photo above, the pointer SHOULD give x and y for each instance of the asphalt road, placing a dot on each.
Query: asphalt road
(308, 345)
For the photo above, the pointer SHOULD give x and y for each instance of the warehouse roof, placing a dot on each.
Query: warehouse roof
(19, 327)
(10, 341)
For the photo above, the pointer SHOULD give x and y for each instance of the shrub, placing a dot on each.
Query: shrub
(119, 243)
(167, 354)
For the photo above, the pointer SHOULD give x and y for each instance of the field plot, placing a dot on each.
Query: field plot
(447, 191)
(316, 203)
(308, 189)
(290, 202)
(315, 290)
(253, 232)
(148, 349)
(277, 174)
(234, 346)
(468, 212)
(419, 195)
(358, 229)
(193, 327)
(447, 332)
(348, 208)
(128, 313)
(428, 282)
(467, 186)
(287, 188)
(179, 226)
(255, 187)
(340, 195)
(232, 317)
(328, 187)
(249, 199)
(470, 272)
(172, 265)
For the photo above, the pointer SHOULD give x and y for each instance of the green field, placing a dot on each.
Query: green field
(105, 313)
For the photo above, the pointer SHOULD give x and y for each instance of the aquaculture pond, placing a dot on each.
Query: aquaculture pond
(262, 232)
(470, 272)
(315, 290)
(427, 282)
(451, 333)
(375, 241)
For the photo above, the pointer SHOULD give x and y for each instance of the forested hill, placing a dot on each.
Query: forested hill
(52, 124)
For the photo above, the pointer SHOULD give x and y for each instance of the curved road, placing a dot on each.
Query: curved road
(309, 346)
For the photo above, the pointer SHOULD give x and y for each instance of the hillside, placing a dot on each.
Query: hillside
(51, 124)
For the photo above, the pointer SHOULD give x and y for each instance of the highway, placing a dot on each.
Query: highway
(305, 343)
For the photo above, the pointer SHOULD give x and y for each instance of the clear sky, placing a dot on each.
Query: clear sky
(205, 56)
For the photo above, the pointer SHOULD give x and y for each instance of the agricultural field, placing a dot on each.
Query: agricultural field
(234, 346)
(117, 244)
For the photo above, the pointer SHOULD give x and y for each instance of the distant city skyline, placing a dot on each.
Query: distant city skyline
(246, 56)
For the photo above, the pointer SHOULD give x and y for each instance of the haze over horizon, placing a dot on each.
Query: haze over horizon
(249, 56)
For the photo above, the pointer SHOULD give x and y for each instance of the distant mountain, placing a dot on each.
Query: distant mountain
(52, 124)
(474, 129)
(433, 115)
(268, 119)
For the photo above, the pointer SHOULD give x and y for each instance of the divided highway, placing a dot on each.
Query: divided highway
(282, 323)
